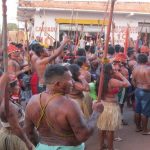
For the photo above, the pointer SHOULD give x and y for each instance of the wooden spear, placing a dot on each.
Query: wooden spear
(145, 38)
(126, 41)
(5, 54)
(101, 81)
(41, 30)
(113, 32)
(27, 39)
(138, 38)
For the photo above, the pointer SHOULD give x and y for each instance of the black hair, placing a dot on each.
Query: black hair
(50, 48)
(13, 43)
(87, 47)
(19, 45)
(38, 49)
(121, 49)
(117, 48)
(30, 47)
(56, 44)
(142, 59)
(111, 50)
(80, 60)
(81, 52)
(54, 71)
(130, 49)
(1, 72)
(70, 58)
(74, 69)
(92, 49)
(130, 53)
(13, 83)
(107, 76)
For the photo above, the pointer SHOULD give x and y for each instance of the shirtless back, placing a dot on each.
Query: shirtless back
(141, 73)
(63, 122)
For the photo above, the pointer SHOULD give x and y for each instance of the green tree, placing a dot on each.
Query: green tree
(12, 27)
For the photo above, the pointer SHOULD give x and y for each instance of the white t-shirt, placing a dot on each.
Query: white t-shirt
(82, 43)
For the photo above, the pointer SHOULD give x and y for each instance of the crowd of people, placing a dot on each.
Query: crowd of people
(52, 94)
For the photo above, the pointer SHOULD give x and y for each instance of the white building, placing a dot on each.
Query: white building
(86, 17)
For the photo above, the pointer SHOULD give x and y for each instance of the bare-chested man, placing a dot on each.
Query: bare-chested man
(12, 136)
(14, 67)
(131, 64)
(141, 80)
(145, 50)
(13, 64)
(34, 78)
(43, 60)
(131, 60)
(59, 119)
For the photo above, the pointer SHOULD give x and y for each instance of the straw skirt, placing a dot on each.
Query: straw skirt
(110, 119)
(9, 141)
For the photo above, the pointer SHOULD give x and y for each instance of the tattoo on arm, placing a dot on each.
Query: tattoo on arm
(91, 123)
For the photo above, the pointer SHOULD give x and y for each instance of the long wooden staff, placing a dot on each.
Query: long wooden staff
(138, 37)
(41, 30)
(126, 41)
(5, 54)
(27, 39)
(113, 32)
(145, 38)
(101, 82)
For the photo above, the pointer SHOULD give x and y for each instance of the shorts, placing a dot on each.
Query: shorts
(46, 147)
(142, 104)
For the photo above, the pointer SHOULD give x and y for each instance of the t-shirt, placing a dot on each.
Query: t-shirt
(93, 94)
(82, 43)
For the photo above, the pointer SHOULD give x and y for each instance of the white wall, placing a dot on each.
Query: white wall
(121, 22)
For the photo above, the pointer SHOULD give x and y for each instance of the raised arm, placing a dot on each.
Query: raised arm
(82, 85)
(123, 82)
(3, 82)
(57, 52)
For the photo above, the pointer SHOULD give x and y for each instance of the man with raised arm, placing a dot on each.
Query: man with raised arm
(58, 119)
(44, 59)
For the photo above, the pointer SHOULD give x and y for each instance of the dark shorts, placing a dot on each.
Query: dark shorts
(142, 105)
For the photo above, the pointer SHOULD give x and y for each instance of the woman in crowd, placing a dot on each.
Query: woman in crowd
(80, 85)
(110, 119)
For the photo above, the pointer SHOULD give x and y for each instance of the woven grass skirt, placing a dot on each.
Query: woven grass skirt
(110, 119)
(9, 141)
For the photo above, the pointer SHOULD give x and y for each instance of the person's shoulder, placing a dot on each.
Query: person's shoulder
(135, 68)
(147, 68)
(70, 103)
(33, 101)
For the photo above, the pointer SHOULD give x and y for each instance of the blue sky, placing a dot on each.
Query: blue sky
(11, 11)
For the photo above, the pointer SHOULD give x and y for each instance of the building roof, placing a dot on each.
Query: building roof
(120, 7)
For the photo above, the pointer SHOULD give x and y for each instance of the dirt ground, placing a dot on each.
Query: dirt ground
(131, 139)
